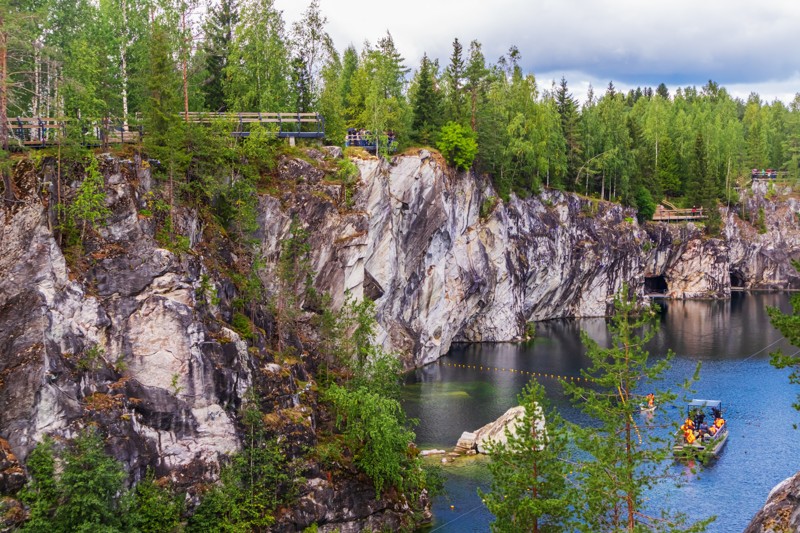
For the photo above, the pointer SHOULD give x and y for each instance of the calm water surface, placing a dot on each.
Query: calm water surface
(732, 339)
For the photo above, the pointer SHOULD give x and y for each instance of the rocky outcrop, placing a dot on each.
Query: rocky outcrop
(494, 433)
(781, 513)
(114, 339)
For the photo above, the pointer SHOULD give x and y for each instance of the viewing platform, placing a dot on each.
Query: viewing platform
(662, 214)
(39, 132)
(290, 125)
(369, 141)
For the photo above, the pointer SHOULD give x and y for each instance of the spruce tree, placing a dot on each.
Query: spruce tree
(623, 459)
(426, 103)
(455, 108)
(529, 471)
(568, 111)
(218, 30)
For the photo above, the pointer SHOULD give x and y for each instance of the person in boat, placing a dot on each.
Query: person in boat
(651, 400)
(688, 425)
(688, 436)
(719, 422)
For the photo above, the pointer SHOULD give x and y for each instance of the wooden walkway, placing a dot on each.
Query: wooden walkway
(284, 125)
(46, 131)
(676, 215)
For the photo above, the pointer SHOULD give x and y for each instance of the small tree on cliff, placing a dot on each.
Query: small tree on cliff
(623, 459)
(458, 145)
(529, 471)
(789, 326)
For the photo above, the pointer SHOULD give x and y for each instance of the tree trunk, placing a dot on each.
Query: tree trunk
(123, 52)
(3, 85)
(185, 68)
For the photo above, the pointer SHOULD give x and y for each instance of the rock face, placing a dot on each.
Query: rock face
(448, 261)
(781, 513)
(445, 260)
(120, 342)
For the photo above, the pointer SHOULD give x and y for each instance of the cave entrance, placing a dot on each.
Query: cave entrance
(737, 280)
(655, 285)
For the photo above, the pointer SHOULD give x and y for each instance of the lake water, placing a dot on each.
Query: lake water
(732, 339)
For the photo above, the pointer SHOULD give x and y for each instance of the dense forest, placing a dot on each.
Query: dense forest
(151, 60)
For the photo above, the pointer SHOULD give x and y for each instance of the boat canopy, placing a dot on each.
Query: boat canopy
(714, 404)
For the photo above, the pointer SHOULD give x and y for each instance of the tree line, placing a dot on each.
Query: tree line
(159, 58)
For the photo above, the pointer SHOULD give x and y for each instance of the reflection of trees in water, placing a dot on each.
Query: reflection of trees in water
(717, 329)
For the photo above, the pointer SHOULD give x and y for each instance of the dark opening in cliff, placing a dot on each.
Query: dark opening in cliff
(737, 280)
(655, 285)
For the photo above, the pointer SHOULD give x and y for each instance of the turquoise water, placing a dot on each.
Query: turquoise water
(732, 339)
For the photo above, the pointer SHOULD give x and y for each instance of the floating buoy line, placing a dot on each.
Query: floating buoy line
(481, 368)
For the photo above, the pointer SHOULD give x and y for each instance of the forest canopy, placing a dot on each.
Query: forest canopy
(146, 60)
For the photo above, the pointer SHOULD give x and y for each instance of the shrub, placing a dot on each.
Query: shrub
(458, 145)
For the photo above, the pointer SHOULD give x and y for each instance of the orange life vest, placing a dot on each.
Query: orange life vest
(689, 435)
(718, 422)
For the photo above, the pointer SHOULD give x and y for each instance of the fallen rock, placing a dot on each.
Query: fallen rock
(495, 432)
(465, 443)
(426, 453)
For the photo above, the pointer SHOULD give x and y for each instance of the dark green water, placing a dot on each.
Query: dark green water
(731, 338)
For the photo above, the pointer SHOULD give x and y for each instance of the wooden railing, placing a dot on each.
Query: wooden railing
(46, 131)
(288, 124)
(675, 215)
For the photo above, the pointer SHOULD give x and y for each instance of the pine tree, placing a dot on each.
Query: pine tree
(529, 471)
(623, 459)
(789, 326)
(475, 81)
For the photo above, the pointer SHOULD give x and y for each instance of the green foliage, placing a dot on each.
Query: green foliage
(252, 486)
(529, 471)
(426, 103)
(487, 207)
(346, 173)
(458, 145)
(645, 203)
(42, 492)
(151, 508)
(91, 358)
(242, 325)
(89, 205)
(789, 326)
(83, 496)
(761, 223)
(621, 460)
(375, 430)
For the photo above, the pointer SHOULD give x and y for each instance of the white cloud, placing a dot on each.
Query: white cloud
(745, 45)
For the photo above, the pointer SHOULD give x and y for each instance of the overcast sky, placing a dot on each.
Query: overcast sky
(744, 45)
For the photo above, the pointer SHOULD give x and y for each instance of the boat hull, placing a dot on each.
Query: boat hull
(706, 448)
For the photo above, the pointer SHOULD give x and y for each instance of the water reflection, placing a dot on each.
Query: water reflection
(732, 339)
